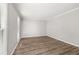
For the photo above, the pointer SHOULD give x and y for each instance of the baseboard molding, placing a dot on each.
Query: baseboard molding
(64, 41)
(32, 37)
(15, 47)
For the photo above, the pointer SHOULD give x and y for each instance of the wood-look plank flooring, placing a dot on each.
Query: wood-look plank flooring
(44, 46)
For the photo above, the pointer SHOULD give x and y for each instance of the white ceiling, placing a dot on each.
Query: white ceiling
(42, 11)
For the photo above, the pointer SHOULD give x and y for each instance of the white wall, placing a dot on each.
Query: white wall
(12, 29)
(0, 42)
(33, 28)
(65, 27)
(3, 13)
(18, 28)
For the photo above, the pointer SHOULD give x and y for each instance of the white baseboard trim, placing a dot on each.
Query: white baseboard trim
(32, 36)
(65, 41)
(15, 47)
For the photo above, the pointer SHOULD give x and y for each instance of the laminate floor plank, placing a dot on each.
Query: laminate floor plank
(44, 46)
